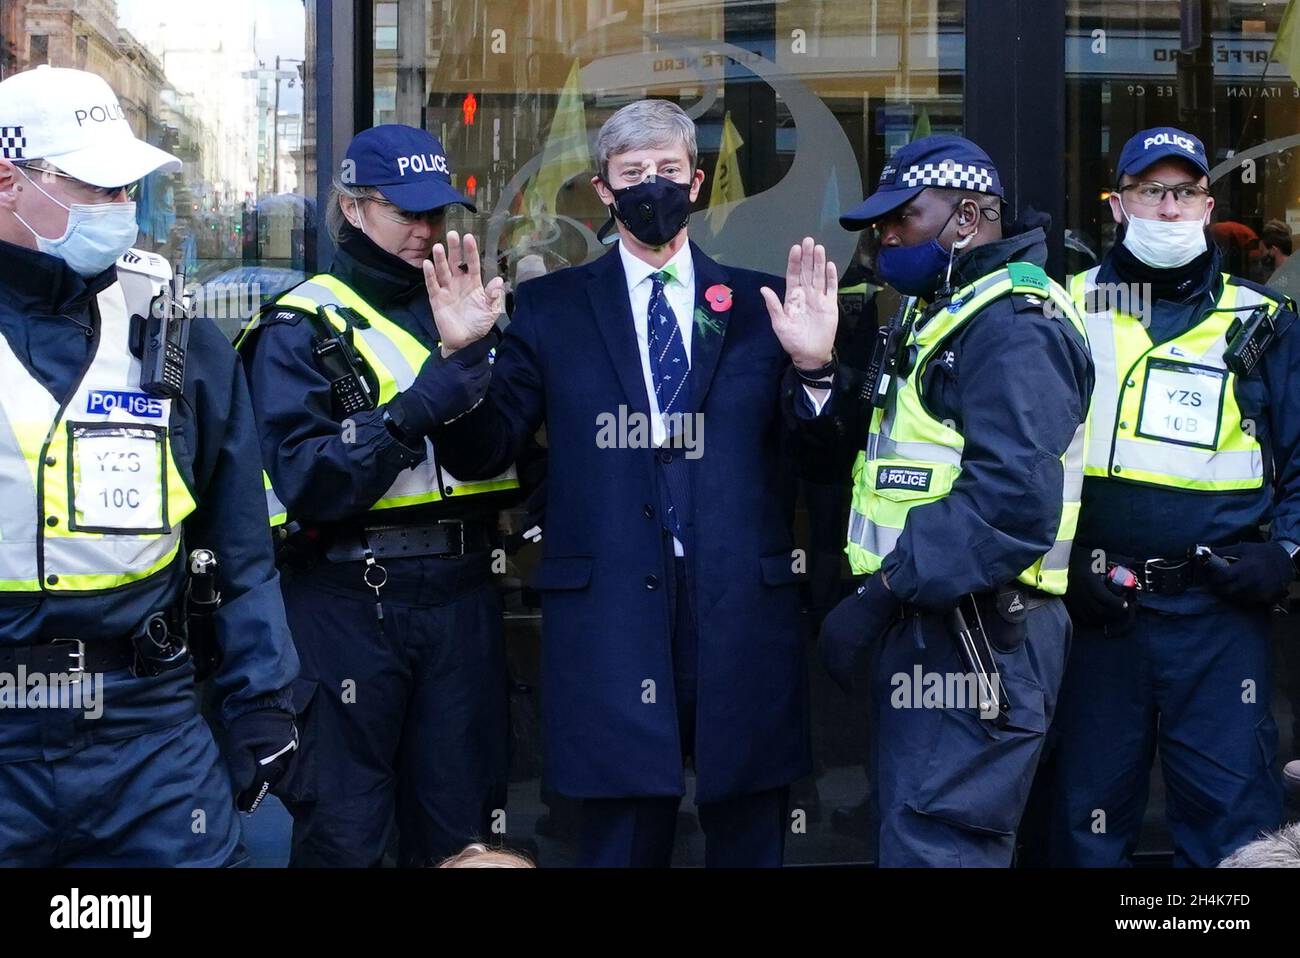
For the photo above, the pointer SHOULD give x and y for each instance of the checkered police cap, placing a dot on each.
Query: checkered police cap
(961, 176)
(12, 143)
(942, 160)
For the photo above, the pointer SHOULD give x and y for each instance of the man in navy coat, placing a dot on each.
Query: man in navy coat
(670, 608)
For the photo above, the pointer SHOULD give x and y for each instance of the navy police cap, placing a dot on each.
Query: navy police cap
(1160, 143)
(407, 165)
(942, 160)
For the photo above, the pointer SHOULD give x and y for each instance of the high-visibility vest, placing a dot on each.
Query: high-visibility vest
(913, 458)
(1167, 415)
(91, 498)
(393, 357)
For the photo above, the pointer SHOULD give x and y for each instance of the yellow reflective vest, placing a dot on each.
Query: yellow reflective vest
(92, 499)
(913, 458)
(393, 357)
(1167, 414)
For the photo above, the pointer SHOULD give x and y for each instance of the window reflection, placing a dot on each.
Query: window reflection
(228, 89)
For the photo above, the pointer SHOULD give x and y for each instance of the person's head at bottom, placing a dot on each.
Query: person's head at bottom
(479, 855)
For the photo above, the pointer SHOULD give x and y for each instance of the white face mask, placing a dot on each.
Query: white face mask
(1164, 244)
(97, 234)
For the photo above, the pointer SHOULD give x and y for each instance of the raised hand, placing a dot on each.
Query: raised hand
(805, 323)
(463, 308)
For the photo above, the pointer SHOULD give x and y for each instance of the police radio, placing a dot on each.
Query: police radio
(888, 358)
(165, 337)
(1247, 341)
(339, 362)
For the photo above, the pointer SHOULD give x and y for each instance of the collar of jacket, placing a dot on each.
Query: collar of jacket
(1027, 247)
(43, 285)
(382, 279)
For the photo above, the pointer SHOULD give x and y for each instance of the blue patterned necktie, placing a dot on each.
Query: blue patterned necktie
(669, 368)
(668, 362)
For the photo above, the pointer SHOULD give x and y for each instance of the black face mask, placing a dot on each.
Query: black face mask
(654, 210)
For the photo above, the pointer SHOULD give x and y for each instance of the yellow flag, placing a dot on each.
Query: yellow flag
(565, 154)
(1286, 48)
(728, 185)
(922, 125)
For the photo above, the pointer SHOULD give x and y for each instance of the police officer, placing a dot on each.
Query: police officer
(107, 482)
(1188, 448)
(965, 495)
(388, 581)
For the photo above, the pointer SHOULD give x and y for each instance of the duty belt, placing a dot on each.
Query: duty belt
(448, 539)
(77, 657)
(1159, 576)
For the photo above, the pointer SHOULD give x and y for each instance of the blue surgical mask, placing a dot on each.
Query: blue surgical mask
(921, 269)
(97, 234)
(913, 270)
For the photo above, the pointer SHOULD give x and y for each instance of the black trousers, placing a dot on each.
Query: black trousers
(403, 719)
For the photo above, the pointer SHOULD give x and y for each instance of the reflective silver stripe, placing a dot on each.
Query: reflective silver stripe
(318, 293)
(1057, 557)
(1073, 491)
(876, 539)
(1105, 391)
(1167, 459)
(111, 555)
(881, 446)
(18, 513)
(389, 355)
(274, 507)
(378, 343)
(886, 448)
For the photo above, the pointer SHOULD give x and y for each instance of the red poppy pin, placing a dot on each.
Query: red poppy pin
(719, 298)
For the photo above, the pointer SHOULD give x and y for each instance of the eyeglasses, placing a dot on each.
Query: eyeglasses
(405, 217)
(1151, 194)
(106, 193)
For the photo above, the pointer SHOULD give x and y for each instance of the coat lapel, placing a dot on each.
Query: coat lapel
(709, 323)
(607, 290)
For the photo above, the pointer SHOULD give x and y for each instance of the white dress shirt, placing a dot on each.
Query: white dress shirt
(681, 297)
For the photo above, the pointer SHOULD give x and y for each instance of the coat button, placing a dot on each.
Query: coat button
(652, 582)
(51, 580)
(1131, 383)
(649, 511)
(51, 520)
(50, 460)
(1115, 469)
(1123, 425)
(665, 456)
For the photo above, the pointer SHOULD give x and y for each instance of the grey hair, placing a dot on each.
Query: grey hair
(335, 222)
(645, 124)
(1280, 849)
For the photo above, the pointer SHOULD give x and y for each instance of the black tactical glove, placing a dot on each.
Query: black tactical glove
(261, 745)
(443, 389)
(1089, 598)
(853, 625)
(1260, 574)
